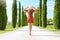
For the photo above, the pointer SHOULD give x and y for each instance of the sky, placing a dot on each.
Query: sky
(25, 3)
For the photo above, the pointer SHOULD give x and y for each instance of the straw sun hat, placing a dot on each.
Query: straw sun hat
(30, 7)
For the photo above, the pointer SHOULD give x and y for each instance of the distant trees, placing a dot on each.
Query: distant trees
(44, 14)
(3, 15)
(57, 14)
(49, 21)
(38, 15)
(36, 18)
(24, 18)
(14, 13)
(19, 18)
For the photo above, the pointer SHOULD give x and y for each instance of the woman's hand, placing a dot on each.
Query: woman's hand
(25, 10)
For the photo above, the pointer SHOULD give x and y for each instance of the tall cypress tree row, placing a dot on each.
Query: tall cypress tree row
(44, 14)
(36, 18)
(24, 18)
(14, 13)
(40, 9)
(19, 20)
(57, 14)
(3, 15)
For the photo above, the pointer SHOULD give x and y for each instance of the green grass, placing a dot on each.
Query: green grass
(8, 28)
(51, 28)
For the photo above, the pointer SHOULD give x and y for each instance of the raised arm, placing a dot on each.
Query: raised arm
(25, 10)
(35, 9)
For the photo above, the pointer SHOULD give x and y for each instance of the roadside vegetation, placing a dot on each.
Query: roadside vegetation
(9, 28)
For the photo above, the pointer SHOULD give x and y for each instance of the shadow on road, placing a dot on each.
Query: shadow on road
(46, 35)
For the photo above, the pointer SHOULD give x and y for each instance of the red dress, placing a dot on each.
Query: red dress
(30, 18)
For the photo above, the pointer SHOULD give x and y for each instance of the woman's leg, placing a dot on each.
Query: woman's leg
(30, 28)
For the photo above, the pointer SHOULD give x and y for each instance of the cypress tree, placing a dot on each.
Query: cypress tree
(24, 18)
(3, 15)
(57, 14)
(36, 18)
(40, 9)
(14, 13)
(44, 14)
(19, 20)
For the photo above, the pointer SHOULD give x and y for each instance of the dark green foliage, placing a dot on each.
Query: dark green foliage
(57, 14)
(36, 18)
(19, 20)
(24, 18)
(3, 15)
(44, 14)
(40, 9)
(14, 13)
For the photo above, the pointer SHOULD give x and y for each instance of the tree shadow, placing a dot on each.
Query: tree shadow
(46, 35)
(16, 30)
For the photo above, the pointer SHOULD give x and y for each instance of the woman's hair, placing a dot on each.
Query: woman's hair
(30, 11)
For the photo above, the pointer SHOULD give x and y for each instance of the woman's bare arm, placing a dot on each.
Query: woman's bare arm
(35, 9)
(25, 9)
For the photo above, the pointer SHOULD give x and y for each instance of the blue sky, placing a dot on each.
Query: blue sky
(35, 3)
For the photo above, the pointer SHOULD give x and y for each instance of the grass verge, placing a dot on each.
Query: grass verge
(51, 28)
(8, 28)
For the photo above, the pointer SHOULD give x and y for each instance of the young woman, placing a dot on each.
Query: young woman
(30, 20)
